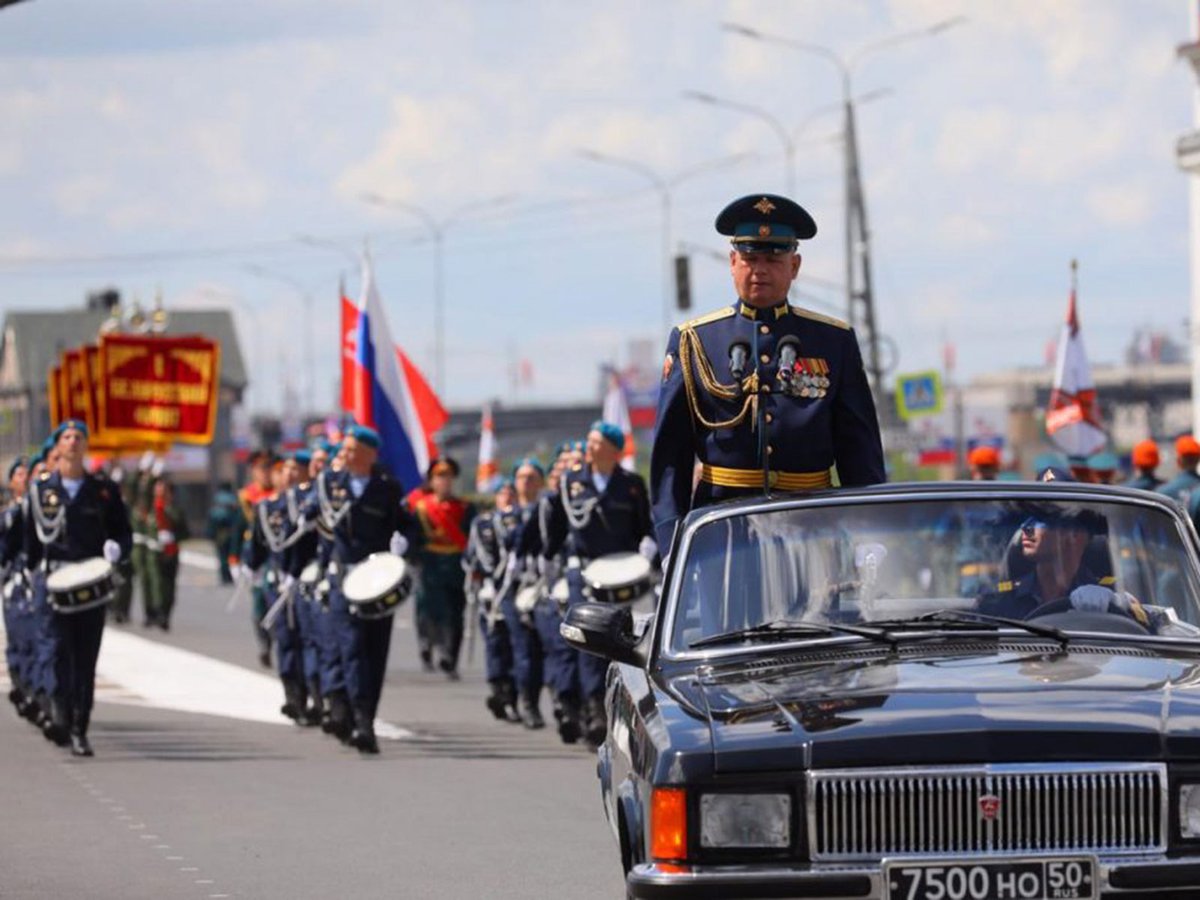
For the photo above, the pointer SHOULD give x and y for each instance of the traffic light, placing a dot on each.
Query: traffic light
(683, 284)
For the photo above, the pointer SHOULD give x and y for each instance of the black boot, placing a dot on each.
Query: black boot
(294, 699)
(79, 741)
(340, 716)
(509, 692)
(568, 722)
(363, 736)
(595, 727)
(531, 716)
(312, 712)
(495, 701)
(55, 726)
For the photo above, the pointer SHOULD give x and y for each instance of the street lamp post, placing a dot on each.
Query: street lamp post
(663, 185)
(437, 233)
(789, 145)
(306, 332)
(859, 293)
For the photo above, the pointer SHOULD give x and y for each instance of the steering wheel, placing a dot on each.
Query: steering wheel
(1061, 612)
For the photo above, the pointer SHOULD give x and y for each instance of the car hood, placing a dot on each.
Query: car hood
(1093, 703)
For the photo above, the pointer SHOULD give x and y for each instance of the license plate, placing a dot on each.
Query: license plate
(1052, 878)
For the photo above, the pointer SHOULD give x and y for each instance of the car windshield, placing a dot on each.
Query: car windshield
(779, 574)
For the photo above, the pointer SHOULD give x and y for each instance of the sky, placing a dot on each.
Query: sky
(222, 154)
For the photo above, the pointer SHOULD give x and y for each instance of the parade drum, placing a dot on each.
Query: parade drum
(528, 596)
(618, 578)
(75, 587)
(377, 585)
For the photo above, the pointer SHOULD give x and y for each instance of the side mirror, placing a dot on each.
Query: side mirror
(603, 629)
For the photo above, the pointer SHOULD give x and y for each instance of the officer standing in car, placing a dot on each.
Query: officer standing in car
(766, 395)
(74, 516)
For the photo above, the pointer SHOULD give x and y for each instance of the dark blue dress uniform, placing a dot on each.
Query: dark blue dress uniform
(484, 565)
(273, 525)
(95, 514)
(308, 610)
(18, 618)
(374, 514)
(764, 399)
(591, 523)
(1018, 598)
(522, 543)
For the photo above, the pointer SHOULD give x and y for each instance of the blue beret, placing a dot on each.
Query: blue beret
(39, 457)
(765, 223)
(610, 432)
(327, 445)
(532, 461)
(304, 457)
(1103, 461)
(16, 464)
(364, 435)
(78, 424)
(562, 448)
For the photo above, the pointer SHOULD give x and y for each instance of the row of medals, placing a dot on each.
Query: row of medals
(802, 384)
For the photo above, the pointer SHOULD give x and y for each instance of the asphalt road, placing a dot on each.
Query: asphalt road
(236, 802)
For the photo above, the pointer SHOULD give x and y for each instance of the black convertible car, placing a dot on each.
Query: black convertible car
(917, 692)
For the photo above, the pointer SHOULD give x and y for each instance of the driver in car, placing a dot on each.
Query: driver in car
(1054, 546)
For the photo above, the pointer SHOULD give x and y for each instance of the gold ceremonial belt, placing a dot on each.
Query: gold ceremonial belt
(753, 478)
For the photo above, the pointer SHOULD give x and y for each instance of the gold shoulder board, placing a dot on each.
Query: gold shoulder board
(715, 316)
(819, 317)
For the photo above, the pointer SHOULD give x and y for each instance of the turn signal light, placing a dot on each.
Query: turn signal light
(668, 823)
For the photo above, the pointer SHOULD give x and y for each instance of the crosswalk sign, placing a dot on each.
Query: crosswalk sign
(918, 394)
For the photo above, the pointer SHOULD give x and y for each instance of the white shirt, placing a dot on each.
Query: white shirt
(358, 484)
(600, 481)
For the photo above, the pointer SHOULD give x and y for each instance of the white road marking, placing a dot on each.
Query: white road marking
(136, 671)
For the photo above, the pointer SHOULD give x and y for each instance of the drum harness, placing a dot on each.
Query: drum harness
(49, 528)
(277, 543)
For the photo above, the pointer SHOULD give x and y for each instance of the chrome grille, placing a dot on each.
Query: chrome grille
(865, 814)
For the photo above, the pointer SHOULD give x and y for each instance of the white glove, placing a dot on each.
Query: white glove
(157, 469)
(648, 548)
(166, 537)
(287, 583)
(112, 550)
(398, 544)
(146, 461)
(1092, 598)
(511, 564)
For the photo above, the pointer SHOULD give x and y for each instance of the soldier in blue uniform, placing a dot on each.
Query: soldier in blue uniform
(303, 552)
(765, 395)
(484, 565)
(366, 503)
(74, 516)
(523, 544)
(12, 586)
(601, 509)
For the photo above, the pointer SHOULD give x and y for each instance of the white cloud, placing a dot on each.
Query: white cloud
(1121, 204)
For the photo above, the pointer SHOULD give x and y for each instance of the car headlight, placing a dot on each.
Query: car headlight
(748, 820)
(1189, 810)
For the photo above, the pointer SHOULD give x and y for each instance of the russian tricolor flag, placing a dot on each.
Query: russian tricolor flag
(382, 389)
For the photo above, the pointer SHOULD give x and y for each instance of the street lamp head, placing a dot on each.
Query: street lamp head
(743, 30)
(701, 97)
(947, 24)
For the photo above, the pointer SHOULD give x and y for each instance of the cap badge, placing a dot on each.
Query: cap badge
(764, 231)
(765, 206)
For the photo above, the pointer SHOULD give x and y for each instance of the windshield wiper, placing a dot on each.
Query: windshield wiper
(967, 617)
(783, 628)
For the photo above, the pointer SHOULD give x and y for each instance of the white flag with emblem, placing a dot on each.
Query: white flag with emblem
(1073, 415)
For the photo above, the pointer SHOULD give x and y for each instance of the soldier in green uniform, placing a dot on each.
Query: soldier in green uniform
(170, 528)
(141, 520)
(224, 529)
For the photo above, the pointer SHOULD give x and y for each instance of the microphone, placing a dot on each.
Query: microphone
(789, 352)
(739, 354)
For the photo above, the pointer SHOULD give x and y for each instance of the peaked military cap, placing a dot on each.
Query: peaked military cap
(766, 223)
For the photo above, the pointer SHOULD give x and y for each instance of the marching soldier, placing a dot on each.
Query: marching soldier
(249, 497)
(484, 564)
(301, 554)
(522, 544)
(601, 509)
(445, 521)
(768, 396)
(267, 550)
(223, 530)
(170, 527)
(365, 516)
(12, 587)
(74, 516)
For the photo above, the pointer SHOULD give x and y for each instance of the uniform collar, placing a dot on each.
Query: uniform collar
(763, 315)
